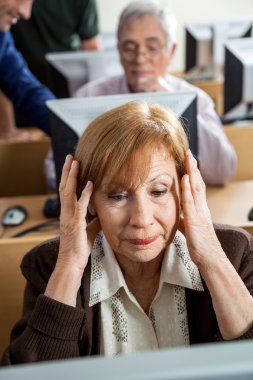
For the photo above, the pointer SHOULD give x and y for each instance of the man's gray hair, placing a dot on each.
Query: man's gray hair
(137, 9)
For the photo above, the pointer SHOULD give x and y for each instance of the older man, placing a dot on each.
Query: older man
(147, 42)
(16, 80)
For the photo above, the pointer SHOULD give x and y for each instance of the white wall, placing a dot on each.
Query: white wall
(185, 11)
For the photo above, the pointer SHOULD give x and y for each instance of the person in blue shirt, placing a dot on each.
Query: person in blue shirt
(16, 80)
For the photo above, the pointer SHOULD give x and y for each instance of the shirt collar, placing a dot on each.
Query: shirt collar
(107, 277)
(178, 267)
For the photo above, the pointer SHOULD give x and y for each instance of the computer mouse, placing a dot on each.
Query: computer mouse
(14, 216)
(250, 215)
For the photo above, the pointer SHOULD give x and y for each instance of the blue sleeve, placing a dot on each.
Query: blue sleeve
(21, 87)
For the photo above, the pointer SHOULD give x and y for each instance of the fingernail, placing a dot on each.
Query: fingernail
(67, 157)
(89, 184)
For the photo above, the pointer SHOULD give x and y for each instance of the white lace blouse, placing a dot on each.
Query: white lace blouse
(125, 327)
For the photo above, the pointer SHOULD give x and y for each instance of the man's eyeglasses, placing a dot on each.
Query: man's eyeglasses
(131, 51)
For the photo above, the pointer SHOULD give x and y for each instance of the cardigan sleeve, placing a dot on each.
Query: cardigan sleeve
(238, 246)
(48, 329)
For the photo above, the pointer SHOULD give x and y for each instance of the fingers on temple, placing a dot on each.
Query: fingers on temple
(197, 184)
(65, 172)
(68, 182)
(187, 198)
(86, 194)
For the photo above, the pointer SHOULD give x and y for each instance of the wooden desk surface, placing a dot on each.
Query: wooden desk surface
(34, 205)
(231, 204)
(22, 165)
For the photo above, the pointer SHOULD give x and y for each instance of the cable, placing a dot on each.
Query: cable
(37, 227)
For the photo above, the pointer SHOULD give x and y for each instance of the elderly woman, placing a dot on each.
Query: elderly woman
(149, 270)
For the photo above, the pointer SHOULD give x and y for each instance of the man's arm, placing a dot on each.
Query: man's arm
(21, 87)
(8, 129)
(91, 44)
(88, 28)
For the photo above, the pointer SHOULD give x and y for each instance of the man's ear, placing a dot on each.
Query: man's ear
(171, 52)
(173, 49)
(91, 209)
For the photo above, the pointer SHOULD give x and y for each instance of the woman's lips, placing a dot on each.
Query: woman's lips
(145, 241)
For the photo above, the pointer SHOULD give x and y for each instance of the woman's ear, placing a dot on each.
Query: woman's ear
(91, 209)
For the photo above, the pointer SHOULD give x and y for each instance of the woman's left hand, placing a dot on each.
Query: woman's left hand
(196, 222)
(232, 302)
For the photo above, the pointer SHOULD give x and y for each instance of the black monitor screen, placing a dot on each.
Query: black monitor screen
(204, 48)
(238, 80)
(69, 117)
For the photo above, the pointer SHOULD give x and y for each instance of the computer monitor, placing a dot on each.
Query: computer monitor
(238, 80)
(216, 361)
(69, 117)
(204, 46)
(109, 40)
(70, 70)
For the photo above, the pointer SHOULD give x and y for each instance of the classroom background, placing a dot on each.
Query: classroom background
(185, 11)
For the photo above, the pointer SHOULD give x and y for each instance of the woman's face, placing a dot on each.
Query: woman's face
(143, 52)
(139, 223)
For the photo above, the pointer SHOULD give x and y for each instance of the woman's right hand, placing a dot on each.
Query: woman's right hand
(76, 237)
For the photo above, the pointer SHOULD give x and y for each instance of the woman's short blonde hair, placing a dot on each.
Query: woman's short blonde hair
(115, 141)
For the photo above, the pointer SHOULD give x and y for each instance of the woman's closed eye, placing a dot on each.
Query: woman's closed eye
(160, 192)
(117, 196)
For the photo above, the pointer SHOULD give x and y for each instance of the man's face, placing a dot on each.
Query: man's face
(12, 10)
(143, 52)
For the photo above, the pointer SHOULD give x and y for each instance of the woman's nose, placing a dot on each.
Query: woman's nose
(141, 213)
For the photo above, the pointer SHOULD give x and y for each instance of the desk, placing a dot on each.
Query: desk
(11, 253)
(230, 204)
(22, 165)
(34, 205)
(241, 136)
(213, 87)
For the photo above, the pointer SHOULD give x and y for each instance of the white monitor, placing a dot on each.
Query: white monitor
(238, 80)
(109, 40)
(205, 53)
(70, 70)
(69, 117)
(216, 361)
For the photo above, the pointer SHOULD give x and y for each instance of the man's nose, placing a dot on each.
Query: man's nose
(25, 9)
(141, 55)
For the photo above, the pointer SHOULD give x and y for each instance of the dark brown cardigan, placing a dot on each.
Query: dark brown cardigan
(52, 330)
